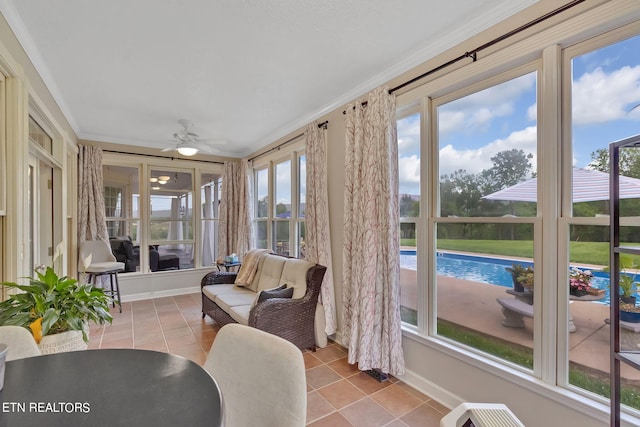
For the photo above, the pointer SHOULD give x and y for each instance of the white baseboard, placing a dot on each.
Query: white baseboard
(160, 294)
(432, 390)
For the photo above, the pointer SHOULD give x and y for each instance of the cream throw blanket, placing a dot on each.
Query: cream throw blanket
(250, 266)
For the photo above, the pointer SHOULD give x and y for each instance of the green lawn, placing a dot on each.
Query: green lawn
(581, 252)
(587, 379)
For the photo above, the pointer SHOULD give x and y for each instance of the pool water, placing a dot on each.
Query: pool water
(486, 270)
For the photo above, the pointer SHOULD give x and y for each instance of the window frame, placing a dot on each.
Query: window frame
(292, 153)
(145, 166)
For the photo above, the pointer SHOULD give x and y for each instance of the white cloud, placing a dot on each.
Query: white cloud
(600, 97)
(409, 174)
(532, 112)
(475, 160)
(409, 135)
(476, 111)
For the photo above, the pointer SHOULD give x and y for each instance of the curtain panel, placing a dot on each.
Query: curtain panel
(92, 224)
(318, 242)
(235, 208)
(371, 258)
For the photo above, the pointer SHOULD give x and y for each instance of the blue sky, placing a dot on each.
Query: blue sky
(606, 85)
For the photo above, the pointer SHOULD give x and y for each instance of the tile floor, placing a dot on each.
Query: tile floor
(338, 393)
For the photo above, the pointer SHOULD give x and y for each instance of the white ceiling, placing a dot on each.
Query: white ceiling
(244, 71)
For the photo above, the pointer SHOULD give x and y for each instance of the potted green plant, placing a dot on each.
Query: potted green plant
(522, 277)
(629, 311)
(51, 306)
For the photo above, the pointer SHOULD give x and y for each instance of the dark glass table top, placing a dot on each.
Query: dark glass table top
(112, 387)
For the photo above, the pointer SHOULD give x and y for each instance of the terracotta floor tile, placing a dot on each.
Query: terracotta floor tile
(367, 384)
(423, 416)
(437, 406)
(396, 400)
(332, 420)
(317, 407)
(396, 423)
(366, 413)
(343, 367)
(141, 339)
(182, 340)
(117, 335)
(341, 394)
(321, 376)
(175, 325)
(153, 345)
(310, 361)
(177, 332)
(124, 343)
(330, 353)
(413, 391)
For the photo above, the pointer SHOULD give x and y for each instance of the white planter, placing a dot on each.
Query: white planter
(65, 341)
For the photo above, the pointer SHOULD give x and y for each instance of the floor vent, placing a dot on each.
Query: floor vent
(377, 374)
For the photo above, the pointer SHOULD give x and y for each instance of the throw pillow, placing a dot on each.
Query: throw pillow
(279, 292)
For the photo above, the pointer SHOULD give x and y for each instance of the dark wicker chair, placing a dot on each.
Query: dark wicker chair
(291, 319)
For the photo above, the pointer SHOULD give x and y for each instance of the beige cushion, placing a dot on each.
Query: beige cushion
(294, 275)
(269, 272)
(240, 313)
(226, 301)
(211, 291)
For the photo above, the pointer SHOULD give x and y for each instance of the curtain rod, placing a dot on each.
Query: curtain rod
(473, 54)
(277, 147)
(162, 157)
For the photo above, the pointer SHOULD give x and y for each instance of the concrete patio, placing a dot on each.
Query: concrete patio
(474, 306)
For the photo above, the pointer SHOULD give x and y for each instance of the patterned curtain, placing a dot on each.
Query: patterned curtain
(235, 223)
(92, 224)
(318, 242)
(371, 290)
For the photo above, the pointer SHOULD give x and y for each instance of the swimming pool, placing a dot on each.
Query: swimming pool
(485, 270)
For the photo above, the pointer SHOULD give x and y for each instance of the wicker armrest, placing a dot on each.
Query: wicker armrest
(285, 313)
(217, 278)
(281, 314)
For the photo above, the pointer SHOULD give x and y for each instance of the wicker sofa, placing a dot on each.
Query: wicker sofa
(294, 318)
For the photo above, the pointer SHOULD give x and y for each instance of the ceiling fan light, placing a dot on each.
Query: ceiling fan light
(187, 151)
(164, 178)
(162, 181)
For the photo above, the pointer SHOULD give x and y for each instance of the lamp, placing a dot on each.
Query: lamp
(152, 179)
(187, 149)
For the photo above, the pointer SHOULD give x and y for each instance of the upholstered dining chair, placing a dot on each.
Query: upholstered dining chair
(19, 341)
(103, 262)
(261, 377)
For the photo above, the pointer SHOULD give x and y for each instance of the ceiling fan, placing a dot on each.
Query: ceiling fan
(187, 142)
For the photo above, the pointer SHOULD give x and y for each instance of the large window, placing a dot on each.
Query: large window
(488, 145)
(515, 210)
(605, 88)
(279, 205)
(176, 236)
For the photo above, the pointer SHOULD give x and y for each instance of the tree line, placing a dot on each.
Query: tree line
(461, 194)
